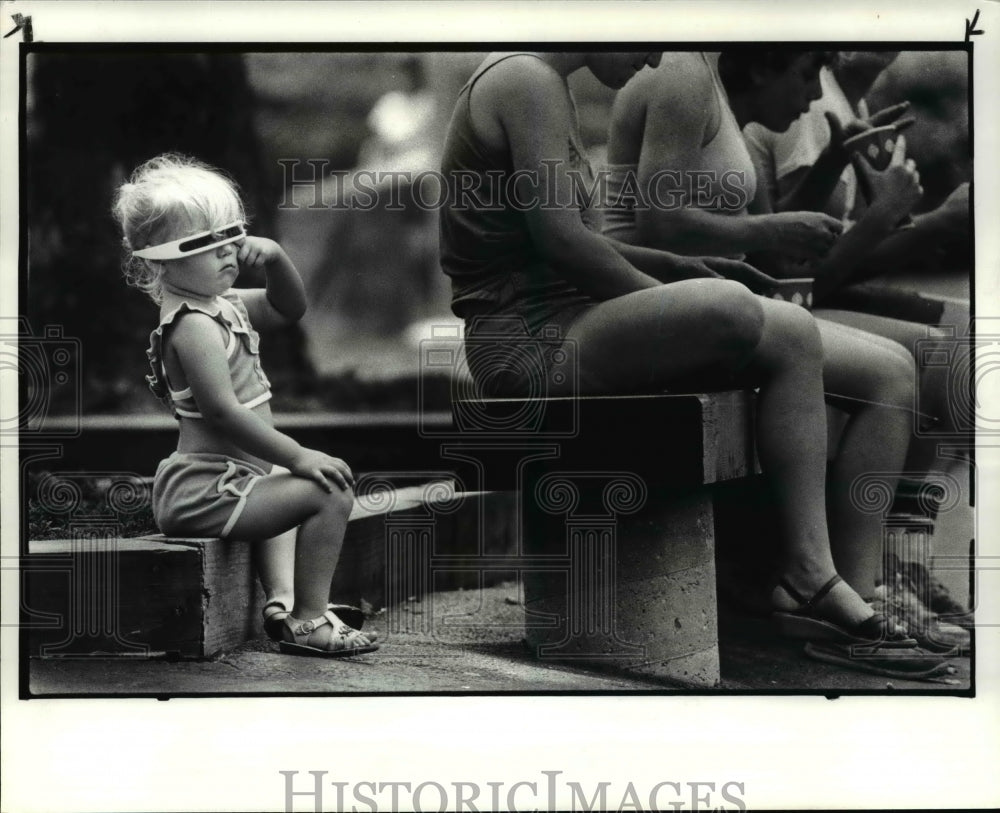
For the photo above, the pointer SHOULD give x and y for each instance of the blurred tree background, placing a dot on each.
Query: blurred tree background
(373, 277)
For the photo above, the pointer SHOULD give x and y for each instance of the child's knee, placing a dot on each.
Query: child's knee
(340, 501)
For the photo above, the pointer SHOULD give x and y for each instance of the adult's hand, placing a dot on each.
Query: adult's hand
(802, 235)
(893, 192)
(841, 131)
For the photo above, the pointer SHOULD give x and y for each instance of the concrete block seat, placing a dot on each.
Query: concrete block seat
(617, 538)
(99, 594)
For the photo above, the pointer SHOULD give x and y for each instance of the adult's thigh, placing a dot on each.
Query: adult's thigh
(865, 366)
(898, 330)
(660, 336)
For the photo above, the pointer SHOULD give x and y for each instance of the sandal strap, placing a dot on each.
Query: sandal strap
(275, 606)
(808, 604)
(304, 628)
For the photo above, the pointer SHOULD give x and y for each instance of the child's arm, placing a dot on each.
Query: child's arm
(284, 300)
(198, 344)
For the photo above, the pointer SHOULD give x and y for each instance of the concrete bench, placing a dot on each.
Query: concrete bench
(617, 536)
(97, 593)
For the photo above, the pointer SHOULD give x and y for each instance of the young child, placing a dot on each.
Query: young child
(233, 475)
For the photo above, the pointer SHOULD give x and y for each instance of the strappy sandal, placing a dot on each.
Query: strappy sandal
(907, 664)
(276, 611)
(343, 641)
(805, 624)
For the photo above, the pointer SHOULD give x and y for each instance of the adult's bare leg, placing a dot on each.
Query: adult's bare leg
(937, 383)
(713, 329)
(879, 374)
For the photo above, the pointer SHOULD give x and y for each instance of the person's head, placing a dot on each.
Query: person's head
(772, 87)
(856, 71)
(614, 69)
(168, 198)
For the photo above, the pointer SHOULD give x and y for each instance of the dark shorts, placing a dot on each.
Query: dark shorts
(508, 358)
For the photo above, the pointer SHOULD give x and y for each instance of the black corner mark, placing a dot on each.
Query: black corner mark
(970, 27)
(21, 22)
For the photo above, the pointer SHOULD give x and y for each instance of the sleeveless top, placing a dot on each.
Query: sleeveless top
(724, 155)
(250, 384)
(486, 247)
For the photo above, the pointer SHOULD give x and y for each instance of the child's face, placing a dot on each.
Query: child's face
(207, 274)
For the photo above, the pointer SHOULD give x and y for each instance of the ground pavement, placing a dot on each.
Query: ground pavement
(464, 642)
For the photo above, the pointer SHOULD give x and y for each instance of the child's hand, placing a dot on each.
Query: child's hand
(321, 468)
(257, 252)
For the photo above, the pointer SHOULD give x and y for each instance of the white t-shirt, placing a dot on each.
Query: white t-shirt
(779, 154)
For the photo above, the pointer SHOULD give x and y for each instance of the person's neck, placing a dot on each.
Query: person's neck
(176, 290)
(740, 103)
(742, 109)
(563, 63)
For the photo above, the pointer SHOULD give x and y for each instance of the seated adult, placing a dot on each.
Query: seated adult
(515, 242)
(807, 166)
(676, 138)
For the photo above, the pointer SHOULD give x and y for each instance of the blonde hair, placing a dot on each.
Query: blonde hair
(161, 192)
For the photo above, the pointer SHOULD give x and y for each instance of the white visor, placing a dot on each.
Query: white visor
(194, 244)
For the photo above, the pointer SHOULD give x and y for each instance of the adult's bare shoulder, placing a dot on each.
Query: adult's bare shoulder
(506, 92)
(683, 80)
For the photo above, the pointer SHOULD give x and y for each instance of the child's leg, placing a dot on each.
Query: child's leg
(275, 558)
(280, 502)
(880, 374)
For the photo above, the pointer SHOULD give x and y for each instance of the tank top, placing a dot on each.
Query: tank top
(486, 248)
(724, 155)
(250, 383)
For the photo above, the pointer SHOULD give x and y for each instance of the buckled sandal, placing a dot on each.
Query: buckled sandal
(343, 641)
(276, 611)
(804, 623)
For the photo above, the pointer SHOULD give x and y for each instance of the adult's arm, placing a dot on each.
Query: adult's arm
(949, 221)
(899, 191)
(678, 119)
(530, 102)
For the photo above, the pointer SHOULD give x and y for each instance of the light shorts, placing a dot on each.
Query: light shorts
(199, 494)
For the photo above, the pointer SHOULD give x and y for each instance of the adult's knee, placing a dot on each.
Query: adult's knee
(735, 315)
(798, 333)
(897, 380)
